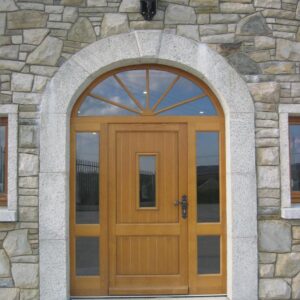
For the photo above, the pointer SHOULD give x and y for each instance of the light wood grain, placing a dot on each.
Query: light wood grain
(147, 250)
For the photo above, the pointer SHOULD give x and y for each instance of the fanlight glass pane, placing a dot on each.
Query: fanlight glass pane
(159, 83)
(128, 92)
(201, 107)
(111, 89)
(135, 81)
(87, 178)
(182, 90)
(94, 107)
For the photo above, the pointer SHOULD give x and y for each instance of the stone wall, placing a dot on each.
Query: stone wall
(260, 39)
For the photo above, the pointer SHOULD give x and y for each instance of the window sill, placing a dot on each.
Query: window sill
(292, 212)
(7, 215)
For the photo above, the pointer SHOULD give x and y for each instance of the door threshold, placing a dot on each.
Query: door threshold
(156, 297)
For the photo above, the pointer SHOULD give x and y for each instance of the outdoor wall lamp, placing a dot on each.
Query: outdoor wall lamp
(148, 9)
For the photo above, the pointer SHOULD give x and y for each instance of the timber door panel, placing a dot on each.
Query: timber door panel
(147, 240)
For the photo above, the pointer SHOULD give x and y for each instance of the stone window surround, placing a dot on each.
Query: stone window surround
(289, 210)
(137, 47)
(9, 213)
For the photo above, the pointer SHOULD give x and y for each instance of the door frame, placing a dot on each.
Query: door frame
(57, 101)
(214, 284)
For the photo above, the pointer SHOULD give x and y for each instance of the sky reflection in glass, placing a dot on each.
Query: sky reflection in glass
(201, 107)
(166, 90)
(95, 107)
(111, 89)
(159, 82)
(182, 90)
(135, 80)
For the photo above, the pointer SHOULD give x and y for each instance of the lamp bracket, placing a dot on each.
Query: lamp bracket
(148, 9)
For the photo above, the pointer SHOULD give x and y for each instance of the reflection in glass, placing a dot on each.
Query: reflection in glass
(112, 90)
(87, 256)
(2, 158)
(182, 90)
(147, 175)
(94, 107)
(127, 92)
(207, 152)
(208, 254)
(201, 107)
(135, 81)
(159, 83)
(295, 156)
(87, 178)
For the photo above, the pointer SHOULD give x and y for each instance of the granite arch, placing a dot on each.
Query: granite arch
(140, 47)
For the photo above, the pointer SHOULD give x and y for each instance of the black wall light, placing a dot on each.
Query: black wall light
(148, 9)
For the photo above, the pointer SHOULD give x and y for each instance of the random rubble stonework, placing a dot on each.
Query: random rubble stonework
(259, 38)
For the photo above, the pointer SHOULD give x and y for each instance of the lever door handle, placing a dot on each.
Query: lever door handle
(184, 205)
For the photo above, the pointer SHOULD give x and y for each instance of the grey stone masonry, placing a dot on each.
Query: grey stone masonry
(259, 38)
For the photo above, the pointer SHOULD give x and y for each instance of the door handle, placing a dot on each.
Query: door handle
(184, 205)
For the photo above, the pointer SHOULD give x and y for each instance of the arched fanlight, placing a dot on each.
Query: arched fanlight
(147, 91)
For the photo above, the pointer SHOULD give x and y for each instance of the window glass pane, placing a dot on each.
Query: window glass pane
(94, 107)
(128, 89)
(2, 158)
(182, 90)
(135, 81)
(87, 178)
(201, 107)
(87, 256)
(207, 176)
(295, 156)
(112, 90)
(147, 175)
(208, 254)
(159, 82)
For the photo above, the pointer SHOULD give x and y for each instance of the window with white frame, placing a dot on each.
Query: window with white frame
(289, 118)
(8, 162)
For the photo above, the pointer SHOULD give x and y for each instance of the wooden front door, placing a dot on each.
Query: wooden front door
(145, 141)
(147, 234)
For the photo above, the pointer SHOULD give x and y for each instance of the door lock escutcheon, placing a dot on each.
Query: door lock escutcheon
(184, 204)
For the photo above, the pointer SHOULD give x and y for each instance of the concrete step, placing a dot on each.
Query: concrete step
(167, 297)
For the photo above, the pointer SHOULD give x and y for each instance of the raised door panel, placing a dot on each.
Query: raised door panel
(131, 148)
(147, 255)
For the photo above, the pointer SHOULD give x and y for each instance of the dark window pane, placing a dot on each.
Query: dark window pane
(207, 151)
(208, 254)
(2, 158)
(295, 156)
(87, 178)
(87, 256)
(147, 174)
